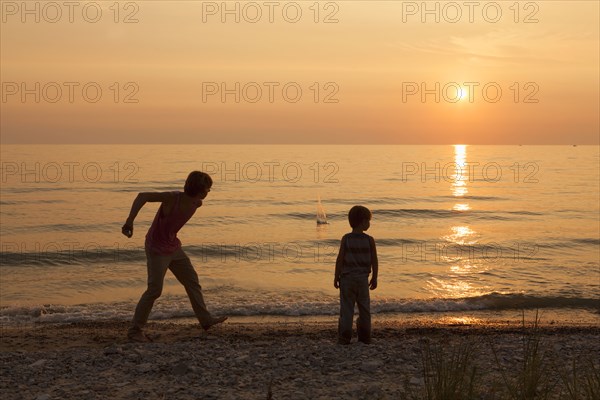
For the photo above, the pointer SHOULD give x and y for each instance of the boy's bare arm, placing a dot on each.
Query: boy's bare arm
(138, 203)
(374, 265)
(338, 265)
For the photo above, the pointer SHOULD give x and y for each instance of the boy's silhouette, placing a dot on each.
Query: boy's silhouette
(356, 258)
(163, 250)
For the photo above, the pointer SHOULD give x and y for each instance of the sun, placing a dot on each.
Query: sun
(457, 93)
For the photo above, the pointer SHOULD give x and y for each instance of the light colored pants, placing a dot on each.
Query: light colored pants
(182, 268)
(354, 290)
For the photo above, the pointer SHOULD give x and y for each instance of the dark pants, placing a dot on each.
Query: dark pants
(354, 290)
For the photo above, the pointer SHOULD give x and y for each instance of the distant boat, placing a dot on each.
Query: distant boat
(321, 216)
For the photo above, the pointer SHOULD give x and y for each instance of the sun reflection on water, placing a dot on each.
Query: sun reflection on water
(461, 207)
(461, 278)
(466, 269)
(460, 176)
(461, 235)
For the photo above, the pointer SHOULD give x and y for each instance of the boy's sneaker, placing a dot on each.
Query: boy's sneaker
(139, 337)
(343, 341)
(213, 321)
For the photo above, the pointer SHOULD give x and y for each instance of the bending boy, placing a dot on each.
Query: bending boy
(163, 250)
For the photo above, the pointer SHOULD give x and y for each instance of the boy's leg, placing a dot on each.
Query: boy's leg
(363, 323)
(347, 301)
(184, 271)
(157, 268)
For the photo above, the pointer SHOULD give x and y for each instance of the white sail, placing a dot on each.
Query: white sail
(321, 216)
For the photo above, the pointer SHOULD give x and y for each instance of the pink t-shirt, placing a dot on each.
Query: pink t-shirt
(162, 236)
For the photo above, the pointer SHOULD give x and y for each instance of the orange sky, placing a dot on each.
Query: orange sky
(176, 59)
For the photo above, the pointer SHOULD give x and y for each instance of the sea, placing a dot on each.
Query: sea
(460, 229)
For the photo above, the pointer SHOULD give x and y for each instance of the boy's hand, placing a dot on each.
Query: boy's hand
(127, 230)
(373, 284)
(336, 282)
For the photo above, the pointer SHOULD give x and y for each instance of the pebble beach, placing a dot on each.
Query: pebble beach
(276, 360)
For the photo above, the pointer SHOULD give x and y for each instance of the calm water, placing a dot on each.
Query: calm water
(457, 227)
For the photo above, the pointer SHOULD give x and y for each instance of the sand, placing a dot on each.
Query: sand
(271, 359)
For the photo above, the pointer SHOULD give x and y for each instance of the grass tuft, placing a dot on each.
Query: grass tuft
(530, 379)
(448, 373)
(583, 381)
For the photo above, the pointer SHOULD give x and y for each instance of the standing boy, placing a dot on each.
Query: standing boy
(163, 250)
(356, 258)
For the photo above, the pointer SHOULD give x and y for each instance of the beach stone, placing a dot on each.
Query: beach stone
(38, 363)
(143, 368)
(43, 396)
(242, 358)
(371, 365)
(141, 352)
(375, 393)
(181, 369)
(287, 362)
(112, 350)
(416, 381)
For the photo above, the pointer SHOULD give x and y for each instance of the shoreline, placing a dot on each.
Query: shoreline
(41, 337)
(548, 315)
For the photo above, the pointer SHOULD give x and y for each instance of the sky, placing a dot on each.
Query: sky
(304, 72)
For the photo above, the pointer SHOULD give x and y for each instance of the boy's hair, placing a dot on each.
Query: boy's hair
(196, 182)
(357, 214)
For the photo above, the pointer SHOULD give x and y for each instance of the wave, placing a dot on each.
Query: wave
(58, 254)
(497, 301)
(586, 241)
(238, 304)
(562, 244)
(427, 213)
(524, 213)
(65, 254)
(23, 202)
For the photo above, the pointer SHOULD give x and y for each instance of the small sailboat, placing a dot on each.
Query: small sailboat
(321, 216)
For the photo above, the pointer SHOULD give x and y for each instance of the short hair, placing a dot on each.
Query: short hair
(196, 182)
(357, 214)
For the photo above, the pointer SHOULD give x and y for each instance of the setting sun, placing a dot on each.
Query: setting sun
(324, 73)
